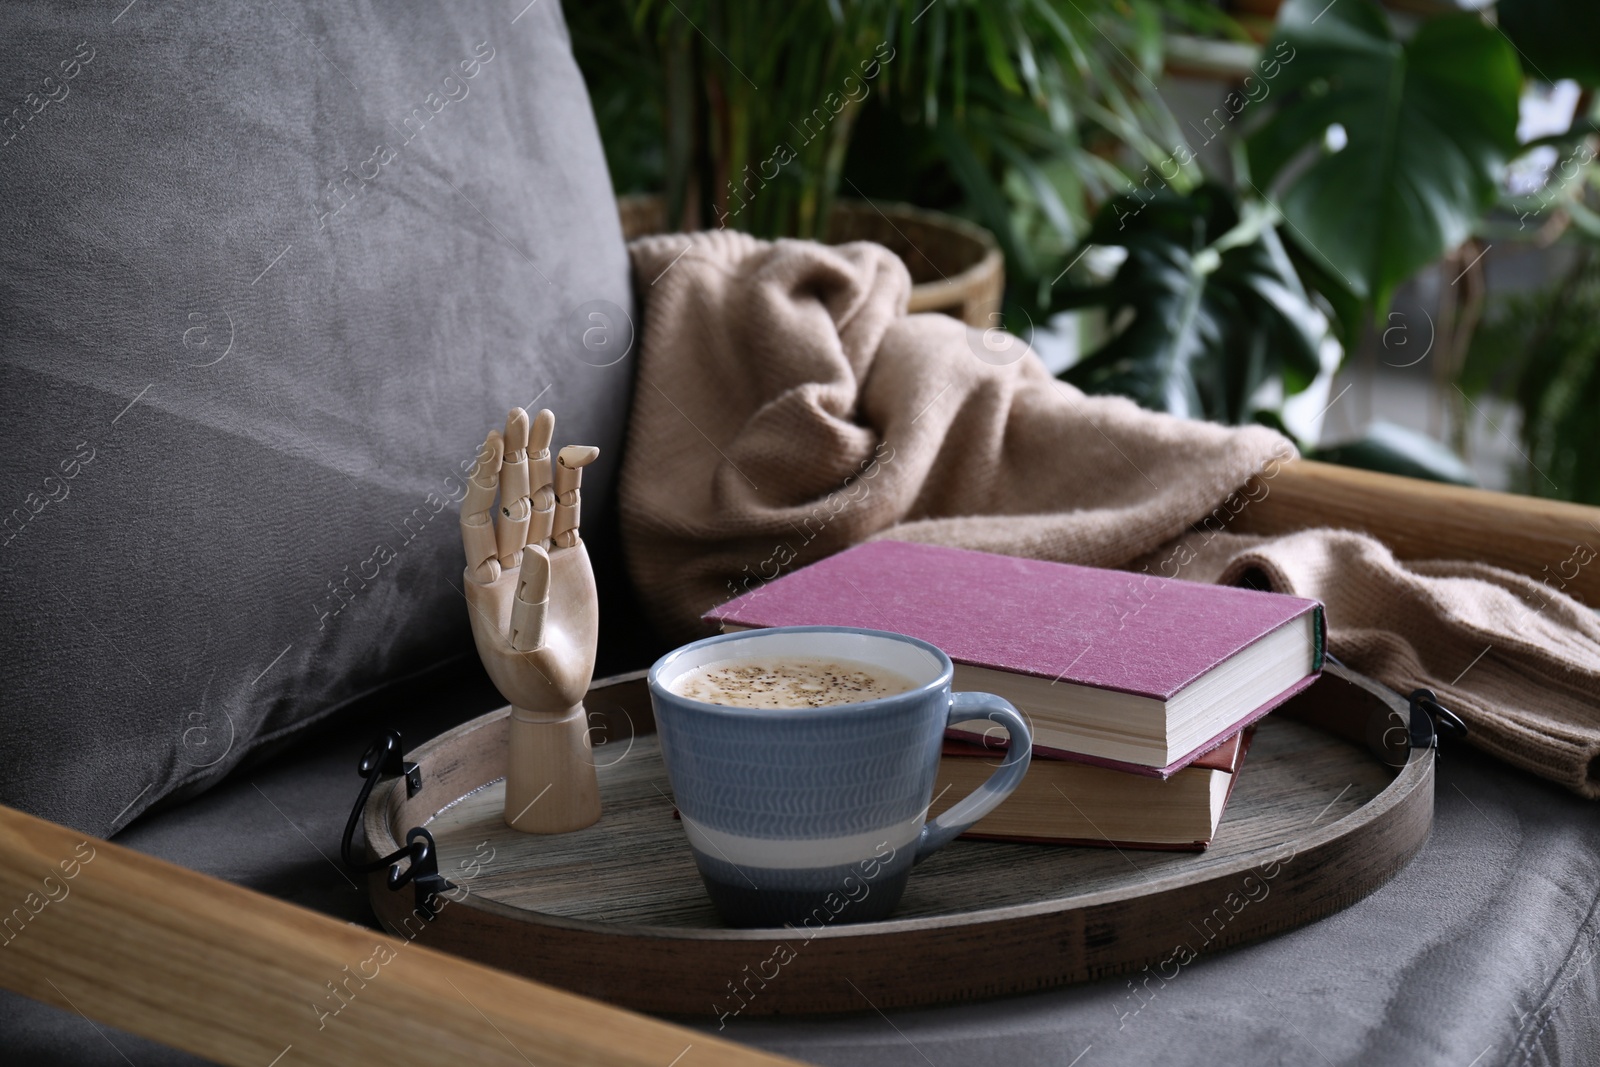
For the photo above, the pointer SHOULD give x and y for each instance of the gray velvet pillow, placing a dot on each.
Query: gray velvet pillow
(268, 272)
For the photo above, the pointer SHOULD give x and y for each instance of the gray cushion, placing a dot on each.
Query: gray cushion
(1484, 947)
(268, 272)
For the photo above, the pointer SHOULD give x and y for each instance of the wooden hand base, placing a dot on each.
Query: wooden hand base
(550, 778)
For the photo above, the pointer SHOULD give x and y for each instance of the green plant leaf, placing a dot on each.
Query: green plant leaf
(1430, 122)
(1542, 352)
(1216, 308)
(997, 52)
(984, 194)
(1394, 449)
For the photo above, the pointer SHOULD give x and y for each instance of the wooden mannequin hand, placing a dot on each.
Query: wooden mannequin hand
(529, 586)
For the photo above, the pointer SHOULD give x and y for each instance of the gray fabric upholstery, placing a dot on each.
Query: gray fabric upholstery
(268, 272)
(1485, 951)
(273, 827)
(1482, 952)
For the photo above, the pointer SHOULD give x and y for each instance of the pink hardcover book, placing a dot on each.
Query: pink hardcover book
(1123, 669)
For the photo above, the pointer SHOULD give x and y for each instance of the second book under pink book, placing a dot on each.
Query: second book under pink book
(1120, 668)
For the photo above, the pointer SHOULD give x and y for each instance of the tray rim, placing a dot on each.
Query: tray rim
(389, 802)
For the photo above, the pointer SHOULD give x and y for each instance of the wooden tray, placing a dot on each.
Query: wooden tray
(617, 911)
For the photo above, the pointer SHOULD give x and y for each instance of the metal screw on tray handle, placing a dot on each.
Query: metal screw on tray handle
(1431, 720)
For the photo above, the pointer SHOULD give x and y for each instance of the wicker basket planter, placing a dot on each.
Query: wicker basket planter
(956, 267)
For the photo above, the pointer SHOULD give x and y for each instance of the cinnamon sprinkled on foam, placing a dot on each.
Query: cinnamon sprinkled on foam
(788, 683)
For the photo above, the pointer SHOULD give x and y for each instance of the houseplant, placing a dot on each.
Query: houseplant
(1541, 350)
(1367, 147)
(743, 114)
(1366, 154)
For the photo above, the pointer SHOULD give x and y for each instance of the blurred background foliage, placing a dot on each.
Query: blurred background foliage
(1363, 145)
(1543, 352)
(1214, 309)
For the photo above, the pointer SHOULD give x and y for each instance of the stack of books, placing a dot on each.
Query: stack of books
(1141, 690)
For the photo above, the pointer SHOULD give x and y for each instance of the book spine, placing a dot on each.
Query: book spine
(1320, 630)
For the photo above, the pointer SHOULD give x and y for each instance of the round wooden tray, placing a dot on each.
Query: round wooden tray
(617, 911)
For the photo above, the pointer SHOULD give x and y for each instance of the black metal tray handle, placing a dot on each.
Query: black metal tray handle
(383, 759)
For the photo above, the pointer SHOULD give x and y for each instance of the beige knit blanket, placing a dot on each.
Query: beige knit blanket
(787, 407)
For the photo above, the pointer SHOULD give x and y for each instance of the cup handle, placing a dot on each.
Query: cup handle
(963, 707)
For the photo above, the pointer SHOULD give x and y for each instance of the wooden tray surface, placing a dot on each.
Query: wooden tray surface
(617, 911)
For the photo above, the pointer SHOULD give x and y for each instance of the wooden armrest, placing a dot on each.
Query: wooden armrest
(240, 978)
(1430, 520)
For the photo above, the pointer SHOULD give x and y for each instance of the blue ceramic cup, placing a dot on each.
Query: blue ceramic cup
(815, 816)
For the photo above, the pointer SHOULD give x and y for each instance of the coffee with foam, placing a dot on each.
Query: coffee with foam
(790, 682)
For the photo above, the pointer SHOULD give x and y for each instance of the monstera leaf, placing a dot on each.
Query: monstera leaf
(1427, 126)
(1214, 309)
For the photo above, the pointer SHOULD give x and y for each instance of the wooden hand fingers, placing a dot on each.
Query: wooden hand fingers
(515, 464)
(538, 513)
(532, 603)
(544, 501)
(568, 477)
(511, 531)
(477, 514)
